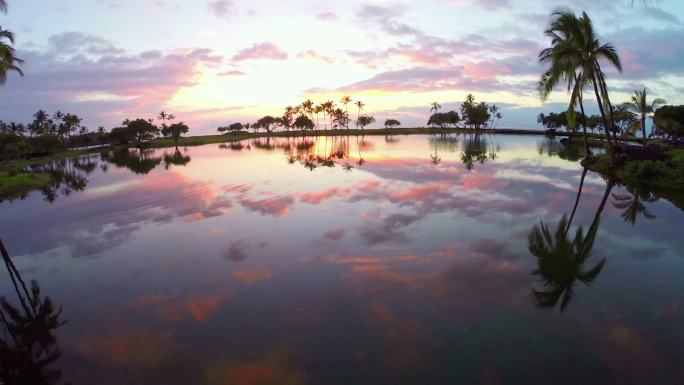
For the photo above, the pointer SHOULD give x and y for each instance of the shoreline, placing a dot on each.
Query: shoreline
(199, 140)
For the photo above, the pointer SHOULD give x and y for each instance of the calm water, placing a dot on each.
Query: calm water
(401, 260)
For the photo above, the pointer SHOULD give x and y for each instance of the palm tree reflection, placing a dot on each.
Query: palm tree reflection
(561, 262)
(324, 152)
(177, 159)
(562, 259)
(477, 149)
(632, 204)
(28, 348)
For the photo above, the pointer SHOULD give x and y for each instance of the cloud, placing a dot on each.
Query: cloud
(469, 77)
(312, 55)
(327, 16)
(252, 275)
(261, 51)
(231, 73)
(277, 206)
(335, 235)
(92, 77)
(124, 212)
(222, 8)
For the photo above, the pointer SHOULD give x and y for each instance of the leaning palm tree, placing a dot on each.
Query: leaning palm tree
(574, 57)
(640, 106)
(8, 60)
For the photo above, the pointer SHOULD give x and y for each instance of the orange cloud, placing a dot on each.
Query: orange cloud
(274, 368)
(176, 307)
(252, 275)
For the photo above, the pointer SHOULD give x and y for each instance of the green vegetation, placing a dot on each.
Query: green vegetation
(16, 185)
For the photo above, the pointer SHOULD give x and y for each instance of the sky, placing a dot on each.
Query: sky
(215, 62)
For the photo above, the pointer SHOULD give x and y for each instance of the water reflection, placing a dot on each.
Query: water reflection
(239, 268)
(632, 204)
(478, 148)
(28, 348)
(561, 259)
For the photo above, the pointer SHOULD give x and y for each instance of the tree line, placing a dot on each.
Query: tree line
(630, 119)
(309, 116)
(48, 134)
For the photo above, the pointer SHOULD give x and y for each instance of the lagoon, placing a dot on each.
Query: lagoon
(350, 260)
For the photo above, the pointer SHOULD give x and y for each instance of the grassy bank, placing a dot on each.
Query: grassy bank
(17, 185)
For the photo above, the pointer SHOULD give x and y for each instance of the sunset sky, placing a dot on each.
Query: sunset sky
(216, 62)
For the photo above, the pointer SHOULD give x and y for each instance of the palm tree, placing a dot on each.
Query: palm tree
(640, 106)
(632, 205)
(8, 60)
(345, 101)
(360, 105)
(574, 57)
(434, 108)
(308, 108)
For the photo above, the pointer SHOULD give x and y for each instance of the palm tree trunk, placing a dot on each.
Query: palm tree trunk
(579, 194)
(587, 152)
(603, 117)
(14, 276)
(609, 187)
(604, 91)
(643, 128)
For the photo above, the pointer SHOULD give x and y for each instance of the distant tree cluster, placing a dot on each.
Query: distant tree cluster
(308, 116)
(669, 122)
(473, 115)
(627, 120)
(391, 123)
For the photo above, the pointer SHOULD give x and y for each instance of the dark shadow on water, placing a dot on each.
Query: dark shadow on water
(28, 348)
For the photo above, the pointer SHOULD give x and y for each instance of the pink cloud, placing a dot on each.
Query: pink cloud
(261, 51)
(327, 16)
(312, 55)
(277, 207)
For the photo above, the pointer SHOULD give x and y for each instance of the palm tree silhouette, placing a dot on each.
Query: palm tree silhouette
(28, 348)
(8, 60)
(434, 108)
(561, 261)
(632, 205)
(360, 105)
(345, 101)
(575, 56)
(640, 106)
